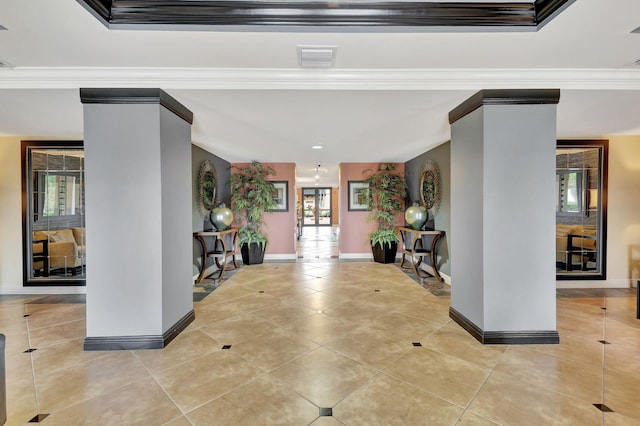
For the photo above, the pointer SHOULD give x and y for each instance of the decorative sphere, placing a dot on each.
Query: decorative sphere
(416, 216)
(221, 217)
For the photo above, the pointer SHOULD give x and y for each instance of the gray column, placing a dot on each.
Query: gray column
(503, 216)
(138, 218)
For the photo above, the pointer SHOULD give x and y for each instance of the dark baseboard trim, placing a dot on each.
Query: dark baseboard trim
(514, 15)
(117, 343)
(529, 337)
(504, 97)
(135, 96)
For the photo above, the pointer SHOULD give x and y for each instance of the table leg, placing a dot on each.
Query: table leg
(204, 259)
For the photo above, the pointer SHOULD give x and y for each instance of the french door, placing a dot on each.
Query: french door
(316, 204)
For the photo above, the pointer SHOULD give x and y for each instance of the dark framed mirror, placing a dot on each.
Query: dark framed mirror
(207, 184)
(581, 209)
(53, 213)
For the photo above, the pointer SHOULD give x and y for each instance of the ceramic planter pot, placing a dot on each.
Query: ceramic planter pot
(386, 254)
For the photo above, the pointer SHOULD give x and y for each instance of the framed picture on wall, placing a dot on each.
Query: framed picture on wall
(281, 195)
(358, 195)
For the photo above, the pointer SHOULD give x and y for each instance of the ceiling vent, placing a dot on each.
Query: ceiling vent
(317, 56)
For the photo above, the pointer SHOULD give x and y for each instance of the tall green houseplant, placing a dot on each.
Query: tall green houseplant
(251, 196)
(387, 192)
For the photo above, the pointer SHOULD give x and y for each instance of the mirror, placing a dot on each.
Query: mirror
(54, 216)
(430, 186)
(207, 184)
(581, 214)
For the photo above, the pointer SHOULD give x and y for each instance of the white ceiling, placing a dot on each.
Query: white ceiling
(386, 99)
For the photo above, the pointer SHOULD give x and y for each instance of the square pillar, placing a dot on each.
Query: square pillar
(503, 216)
(138, 209)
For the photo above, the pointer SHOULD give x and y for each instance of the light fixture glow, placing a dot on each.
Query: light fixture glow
(316, 147)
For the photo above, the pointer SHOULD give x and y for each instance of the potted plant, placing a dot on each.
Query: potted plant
(387, 191)
(251, 196)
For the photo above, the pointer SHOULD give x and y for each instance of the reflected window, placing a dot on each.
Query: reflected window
(54, 219)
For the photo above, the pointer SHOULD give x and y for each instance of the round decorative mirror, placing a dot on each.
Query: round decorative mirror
(207, 183)
(430, 186)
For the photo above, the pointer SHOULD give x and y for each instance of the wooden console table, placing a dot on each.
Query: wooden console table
(221, 251)
(412, 246)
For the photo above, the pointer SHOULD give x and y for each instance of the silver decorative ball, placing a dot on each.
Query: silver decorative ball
(221, 217)
(416, 216)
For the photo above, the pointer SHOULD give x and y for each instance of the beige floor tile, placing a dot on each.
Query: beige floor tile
(557, 374)
(273, 349)
(46, 336)
(326, 421)
(321, 328)
(574, 347)
(222, 310)
(237, 329)
(509, 401)
(370, 347)
(471, 419)
(387, 401)
(203, 379)
(260, 402)
(453, 340)
(356, 312)
(622, 393)
(623, 357)
(322, 300)
(139, 403)
(187, 346)
(445, 376)
(48, 315)
(616, 419)
(323, 376)
(63, 355)
(21, 403)
(424, 309)
(63, 388)
(590, 326)
(178, 421)
(285, 313)
(228, 291)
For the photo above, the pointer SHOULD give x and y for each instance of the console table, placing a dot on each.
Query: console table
(412, 246)
(221, 250)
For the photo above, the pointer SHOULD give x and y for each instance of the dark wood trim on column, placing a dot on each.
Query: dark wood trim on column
(327, 13)
(543, 337)
(116, 343)
(135, 96)
(504, 97)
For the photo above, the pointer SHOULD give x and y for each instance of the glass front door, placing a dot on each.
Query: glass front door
(316, 204)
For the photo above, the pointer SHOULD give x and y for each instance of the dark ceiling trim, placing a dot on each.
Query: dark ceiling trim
(331, 13)
(504, 97)
(135, 96)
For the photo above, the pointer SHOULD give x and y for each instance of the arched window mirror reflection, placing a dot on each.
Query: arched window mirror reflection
(581, 209)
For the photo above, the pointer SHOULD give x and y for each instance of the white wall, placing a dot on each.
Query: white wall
(502, 217)
(466, 238)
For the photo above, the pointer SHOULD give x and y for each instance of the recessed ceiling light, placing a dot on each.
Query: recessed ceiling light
(317, 147)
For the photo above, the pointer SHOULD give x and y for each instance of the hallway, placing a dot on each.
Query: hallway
(318, 243)
(325, 343)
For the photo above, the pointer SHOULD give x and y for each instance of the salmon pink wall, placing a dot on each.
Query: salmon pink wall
(280, 226)
(354, 227)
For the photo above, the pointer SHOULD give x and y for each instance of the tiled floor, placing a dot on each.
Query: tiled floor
(325, 343)
(318, 242)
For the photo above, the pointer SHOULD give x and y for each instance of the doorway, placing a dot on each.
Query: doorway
(316, 205)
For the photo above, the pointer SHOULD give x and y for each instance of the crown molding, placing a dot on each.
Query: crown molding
(333, 79)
